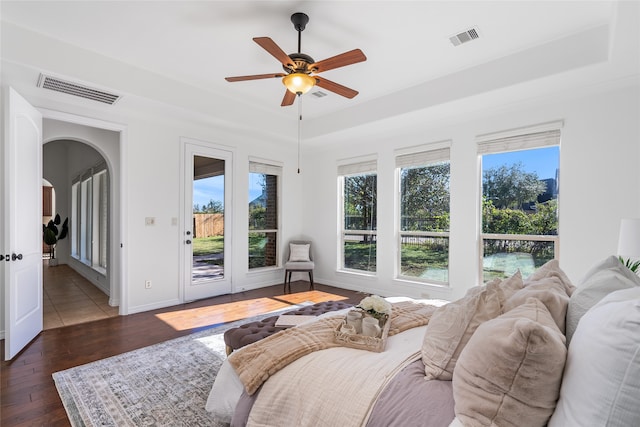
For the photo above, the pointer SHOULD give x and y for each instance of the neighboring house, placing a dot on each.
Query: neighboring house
(588, 79)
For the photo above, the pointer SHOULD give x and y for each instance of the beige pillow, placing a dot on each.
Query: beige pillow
(452, 325)
(299, 252)
(551, 286)
(510, 372)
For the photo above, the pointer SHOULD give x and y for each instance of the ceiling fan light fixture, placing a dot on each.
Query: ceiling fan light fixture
(298, 83)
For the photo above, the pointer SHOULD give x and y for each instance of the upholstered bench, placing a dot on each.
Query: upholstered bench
(251, 332)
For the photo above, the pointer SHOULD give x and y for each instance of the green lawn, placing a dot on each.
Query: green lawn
(208, 245)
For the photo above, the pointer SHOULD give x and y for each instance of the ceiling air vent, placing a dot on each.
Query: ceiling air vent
(319, 94)
(464, 37)
(77, 89)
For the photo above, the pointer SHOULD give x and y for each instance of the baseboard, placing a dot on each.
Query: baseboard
(153, 306)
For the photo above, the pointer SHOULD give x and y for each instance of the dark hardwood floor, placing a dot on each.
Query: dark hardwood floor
(28, 394)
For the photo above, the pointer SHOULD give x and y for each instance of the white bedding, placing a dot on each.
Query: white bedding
(227, 387)
(302, 394)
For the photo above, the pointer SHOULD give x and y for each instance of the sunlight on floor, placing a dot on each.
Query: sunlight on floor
(222, 313)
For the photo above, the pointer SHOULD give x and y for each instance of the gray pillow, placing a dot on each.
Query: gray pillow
(608, 276)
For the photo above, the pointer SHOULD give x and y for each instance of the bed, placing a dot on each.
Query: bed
(513, 352)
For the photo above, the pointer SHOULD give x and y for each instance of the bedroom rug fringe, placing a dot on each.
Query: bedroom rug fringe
(165, 384)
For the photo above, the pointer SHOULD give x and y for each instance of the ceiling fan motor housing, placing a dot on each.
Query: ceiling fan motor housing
(301, 63)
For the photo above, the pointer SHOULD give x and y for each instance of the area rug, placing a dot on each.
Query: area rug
(165, 384)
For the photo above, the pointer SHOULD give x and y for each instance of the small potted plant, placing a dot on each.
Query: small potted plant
(51, 237)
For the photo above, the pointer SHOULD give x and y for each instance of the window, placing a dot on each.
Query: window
(264, 217)
(423, 229)
(520, 172)
(89, 217)
(358, 184)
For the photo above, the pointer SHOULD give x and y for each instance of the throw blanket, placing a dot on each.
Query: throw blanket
(255, 363)
(334, 387)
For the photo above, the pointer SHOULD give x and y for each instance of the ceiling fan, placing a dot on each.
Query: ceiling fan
(300, 69)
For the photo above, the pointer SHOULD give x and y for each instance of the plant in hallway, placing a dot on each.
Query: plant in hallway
(51, 237)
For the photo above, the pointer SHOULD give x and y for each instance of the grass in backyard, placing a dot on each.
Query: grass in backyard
(208, 245)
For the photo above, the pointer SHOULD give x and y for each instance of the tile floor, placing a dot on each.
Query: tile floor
(70, 299)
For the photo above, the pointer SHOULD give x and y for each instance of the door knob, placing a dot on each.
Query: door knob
(188, 242)
(1, 257)
(16, 257)
(188, 233)
(7, 258)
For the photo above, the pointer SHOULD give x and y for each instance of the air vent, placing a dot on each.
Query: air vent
(464, 37)
(319, 94)
(77, 89)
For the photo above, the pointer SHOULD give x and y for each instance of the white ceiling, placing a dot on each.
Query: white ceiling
(410, 65)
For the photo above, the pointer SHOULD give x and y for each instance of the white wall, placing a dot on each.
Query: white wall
(599, 185)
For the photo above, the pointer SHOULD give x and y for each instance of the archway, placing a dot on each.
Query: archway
(79, 288)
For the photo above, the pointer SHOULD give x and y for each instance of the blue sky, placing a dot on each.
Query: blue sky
(543, 161)
(212, 188)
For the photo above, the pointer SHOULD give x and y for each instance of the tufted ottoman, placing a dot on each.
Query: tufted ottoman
(251, 332)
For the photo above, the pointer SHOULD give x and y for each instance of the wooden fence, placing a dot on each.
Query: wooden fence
(208, 225)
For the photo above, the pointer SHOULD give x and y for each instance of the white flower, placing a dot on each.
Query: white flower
(375, 303)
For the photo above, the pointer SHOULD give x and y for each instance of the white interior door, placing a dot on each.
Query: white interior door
(22, 245)
(206, 231)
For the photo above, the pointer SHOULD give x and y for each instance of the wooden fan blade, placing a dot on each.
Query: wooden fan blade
(288, 99)
(335, 87)
(352, 57)
(254, 77)
(270, 46)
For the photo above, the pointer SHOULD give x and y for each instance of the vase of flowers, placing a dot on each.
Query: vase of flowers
(375, 306)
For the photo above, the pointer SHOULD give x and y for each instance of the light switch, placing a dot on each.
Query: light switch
(150, 220)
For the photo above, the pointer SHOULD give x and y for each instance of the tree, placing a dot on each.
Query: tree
(360, 202)
(425, 197)
(214, 206)
(510, 186)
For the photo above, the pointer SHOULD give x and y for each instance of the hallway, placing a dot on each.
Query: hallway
(69, 298)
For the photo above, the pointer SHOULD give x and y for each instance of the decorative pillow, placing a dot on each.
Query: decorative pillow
(298, 252)
(601, 382)
(507, 288)
(509, 373)
(608, 276)
(551, 286)
(452, 325)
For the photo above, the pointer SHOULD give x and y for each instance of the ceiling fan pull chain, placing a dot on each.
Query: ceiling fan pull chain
(299, 127)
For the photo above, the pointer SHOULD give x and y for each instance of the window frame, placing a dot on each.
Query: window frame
(366, 166)
(434, 154)
(89, 228)
(519, 139)
(265, 167)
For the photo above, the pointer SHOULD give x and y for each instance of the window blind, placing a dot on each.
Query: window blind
(423, 158)
(358, 168)
(543, 135)
(263, 168)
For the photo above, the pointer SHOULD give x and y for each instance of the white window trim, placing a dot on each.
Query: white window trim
(268, 167)
(90, 256)
(365, 165)
(432, 154)
(542, 135)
